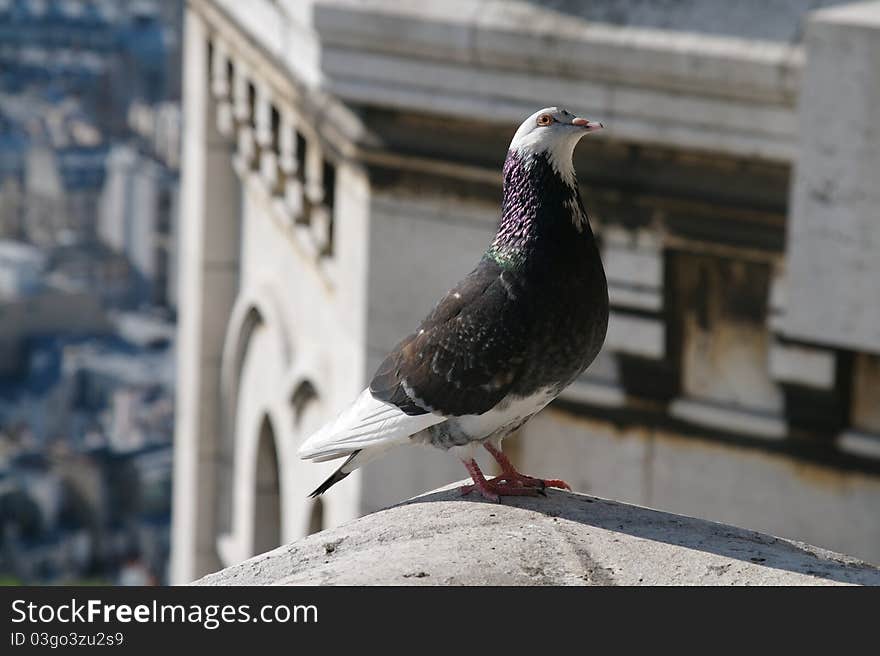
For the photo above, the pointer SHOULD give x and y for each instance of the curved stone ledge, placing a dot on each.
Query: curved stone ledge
(564, 539)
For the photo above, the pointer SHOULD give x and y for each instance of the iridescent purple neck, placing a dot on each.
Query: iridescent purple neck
(537, 201)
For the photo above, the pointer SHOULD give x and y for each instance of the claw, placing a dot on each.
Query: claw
(513, 477)
(510, 483)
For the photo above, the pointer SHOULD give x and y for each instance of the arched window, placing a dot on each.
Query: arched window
(267, 499)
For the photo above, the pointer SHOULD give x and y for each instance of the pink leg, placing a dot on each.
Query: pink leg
(513, 477)
(494, 489)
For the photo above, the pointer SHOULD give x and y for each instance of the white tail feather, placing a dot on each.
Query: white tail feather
(368, 422)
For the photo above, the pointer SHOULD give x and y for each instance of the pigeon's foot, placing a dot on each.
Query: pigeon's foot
(511, 476)
(494, 489)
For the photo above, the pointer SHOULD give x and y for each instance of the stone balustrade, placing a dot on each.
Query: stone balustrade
(275, 148)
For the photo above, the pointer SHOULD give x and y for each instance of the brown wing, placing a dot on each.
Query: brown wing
(467, 352)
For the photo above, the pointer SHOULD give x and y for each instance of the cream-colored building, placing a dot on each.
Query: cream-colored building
(341, 169)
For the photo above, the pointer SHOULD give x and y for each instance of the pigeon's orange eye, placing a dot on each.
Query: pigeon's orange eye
(545, 119)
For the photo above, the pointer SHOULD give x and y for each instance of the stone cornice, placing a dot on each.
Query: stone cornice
(497, 60)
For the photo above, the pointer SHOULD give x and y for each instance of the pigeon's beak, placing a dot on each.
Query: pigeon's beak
(588, 125)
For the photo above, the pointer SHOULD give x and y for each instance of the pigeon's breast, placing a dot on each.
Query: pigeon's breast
(569, 317)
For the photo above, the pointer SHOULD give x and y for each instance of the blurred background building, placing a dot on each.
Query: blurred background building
(341, 170)
(335, 167)
(89, 158)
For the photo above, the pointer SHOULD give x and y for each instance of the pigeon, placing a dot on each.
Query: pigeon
(502, 343)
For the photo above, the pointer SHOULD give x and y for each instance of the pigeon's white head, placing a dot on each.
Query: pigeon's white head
(552, 132)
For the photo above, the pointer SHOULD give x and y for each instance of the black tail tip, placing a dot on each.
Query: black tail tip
(337, 476)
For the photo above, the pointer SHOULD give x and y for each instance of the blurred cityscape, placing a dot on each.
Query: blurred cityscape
(89, 160)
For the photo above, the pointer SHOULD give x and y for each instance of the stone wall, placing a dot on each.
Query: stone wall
(834, 231)
(341, 171)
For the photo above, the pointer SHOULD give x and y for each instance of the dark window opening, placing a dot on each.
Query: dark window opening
(300, 154)
(276, 129)
(304, 394)
(252, 103)
(329, 182)
(163, 224)
(721, 330)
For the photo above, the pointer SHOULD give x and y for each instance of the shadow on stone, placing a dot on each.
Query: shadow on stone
(681, 531)
(442, 538)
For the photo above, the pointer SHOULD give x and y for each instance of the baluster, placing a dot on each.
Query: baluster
(289, 164)
(243, 93)
(221, 88)
(266, 139)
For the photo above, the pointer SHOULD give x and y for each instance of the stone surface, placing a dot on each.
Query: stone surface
(644, 336)
(802, 365)
(732, 482)
(833, 233)
(562, 539)
(780, 20)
